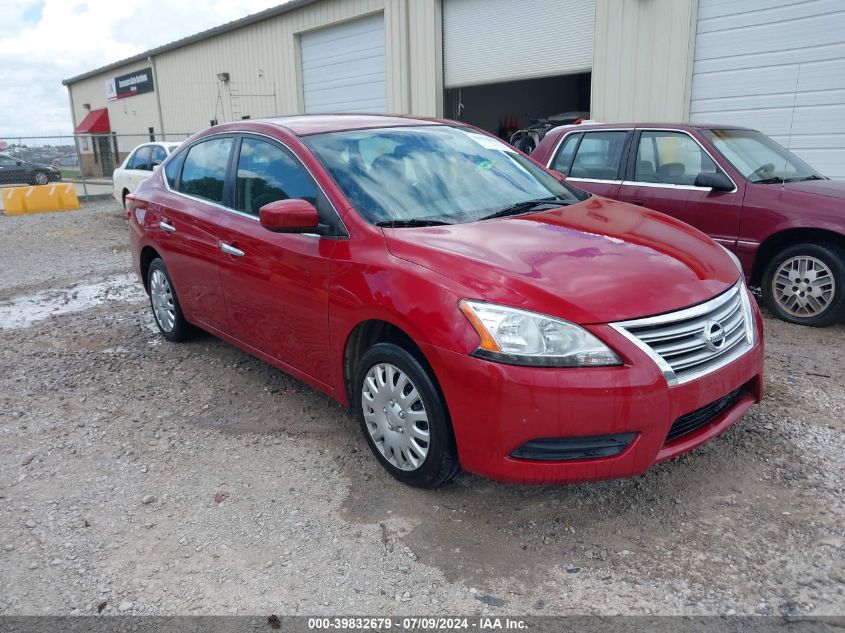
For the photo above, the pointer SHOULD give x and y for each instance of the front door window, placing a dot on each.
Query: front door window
(671, 158)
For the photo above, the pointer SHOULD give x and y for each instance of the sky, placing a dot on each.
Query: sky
(45, 41)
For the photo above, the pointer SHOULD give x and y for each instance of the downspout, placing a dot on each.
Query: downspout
(76, 141)
(156, 89)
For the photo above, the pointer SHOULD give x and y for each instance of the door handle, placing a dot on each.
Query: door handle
(231, 250)
(639, 203)
(164, 226)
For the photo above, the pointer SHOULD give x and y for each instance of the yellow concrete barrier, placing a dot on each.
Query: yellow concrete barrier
(60, 196)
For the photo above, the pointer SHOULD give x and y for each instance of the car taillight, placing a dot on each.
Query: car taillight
(130, 204)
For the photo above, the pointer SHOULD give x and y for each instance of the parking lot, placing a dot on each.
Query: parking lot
(143, 477)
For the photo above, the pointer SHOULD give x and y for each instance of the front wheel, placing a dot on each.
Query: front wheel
(805, 284)
(40, 178)
(404, 418)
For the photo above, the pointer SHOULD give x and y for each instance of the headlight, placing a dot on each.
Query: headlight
(518, 337)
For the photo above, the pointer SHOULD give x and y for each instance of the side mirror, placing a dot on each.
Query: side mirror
(20, 162)
(293, 215)
(559, 175)
(716, 182)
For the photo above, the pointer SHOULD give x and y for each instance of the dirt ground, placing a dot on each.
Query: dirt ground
(142, 477)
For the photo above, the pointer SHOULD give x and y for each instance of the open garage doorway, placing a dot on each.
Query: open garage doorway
(504, 108)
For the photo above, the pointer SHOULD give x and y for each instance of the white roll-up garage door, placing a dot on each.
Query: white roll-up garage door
(493, 41)
(756, 61)
(343, 67)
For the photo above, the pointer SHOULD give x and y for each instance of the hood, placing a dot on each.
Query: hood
(829, 188)
(597, 261)
(41, 165)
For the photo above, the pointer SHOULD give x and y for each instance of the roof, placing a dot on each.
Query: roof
(305, 124)
(95, 122)
(659, 126)
(197, 37)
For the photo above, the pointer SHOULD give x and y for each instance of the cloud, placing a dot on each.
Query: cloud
(45, 41)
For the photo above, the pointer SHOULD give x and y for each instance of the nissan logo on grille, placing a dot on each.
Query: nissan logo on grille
(714, 336)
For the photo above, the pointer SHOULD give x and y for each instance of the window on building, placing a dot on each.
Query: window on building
(598, 156)
(267, 172)
(204, 171)
(152, 132)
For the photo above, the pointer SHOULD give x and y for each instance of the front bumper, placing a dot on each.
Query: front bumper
(497, 408)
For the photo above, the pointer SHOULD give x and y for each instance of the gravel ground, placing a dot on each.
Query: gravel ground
(142, 477)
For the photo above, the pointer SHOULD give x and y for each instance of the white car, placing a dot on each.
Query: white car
(139, 166)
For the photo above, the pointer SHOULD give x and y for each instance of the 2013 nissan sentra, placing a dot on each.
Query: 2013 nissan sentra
(474, 310)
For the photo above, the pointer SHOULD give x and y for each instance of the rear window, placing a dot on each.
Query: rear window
(204, 171)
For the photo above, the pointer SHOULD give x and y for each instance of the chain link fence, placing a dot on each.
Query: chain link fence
(87, 160)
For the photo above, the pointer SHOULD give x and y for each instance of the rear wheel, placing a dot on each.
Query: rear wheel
(165, 304)
(404, 418)
(805, 284)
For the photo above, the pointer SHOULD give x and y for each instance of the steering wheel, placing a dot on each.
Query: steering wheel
(761, 169)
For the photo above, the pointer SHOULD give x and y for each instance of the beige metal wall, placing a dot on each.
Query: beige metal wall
(132, 115)
(263, 63)
(642, 60)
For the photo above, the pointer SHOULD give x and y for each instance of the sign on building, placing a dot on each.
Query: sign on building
(130, 84)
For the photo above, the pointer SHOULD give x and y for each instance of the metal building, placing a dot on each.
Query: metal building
(777, 65)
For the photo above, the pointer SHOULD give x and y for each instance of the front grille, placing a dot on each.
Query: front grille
(695, 341)
(702, 417)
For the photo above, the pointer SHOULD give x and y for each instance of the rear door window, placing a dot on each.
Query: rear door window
(563, 160)
(157, 156)
(204, 171)
(598, 156)
(171, 170)
(140, 160)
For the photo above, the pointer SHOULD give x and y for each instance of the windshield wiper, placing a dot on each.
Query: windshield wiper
(778, 179)
(405, 224)
(525, 206)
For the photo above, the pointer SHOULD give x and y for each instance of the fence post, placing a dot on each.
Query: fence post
(81, 171)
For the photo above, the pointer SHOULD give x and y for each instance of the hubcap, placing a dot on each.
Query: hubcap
(803, 286)
(395, 416)
(161, 295)
(41, 178)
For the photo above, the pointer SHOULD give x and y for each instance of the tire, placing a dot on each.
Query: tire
(40, 178)
(404, 426)
(165, 304)
(818, 304)
(125, 192)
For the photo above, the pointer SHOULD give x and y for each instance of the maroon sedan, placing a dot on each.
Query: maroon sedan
(784, 220)
(473, 310)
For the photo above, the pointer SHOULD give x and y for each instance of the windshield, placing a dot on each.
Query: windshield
(433, 173)
(758, 158)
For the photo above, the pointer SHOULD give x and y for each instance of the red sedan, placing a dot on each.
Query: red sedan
(475, 311)
(783, 219)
